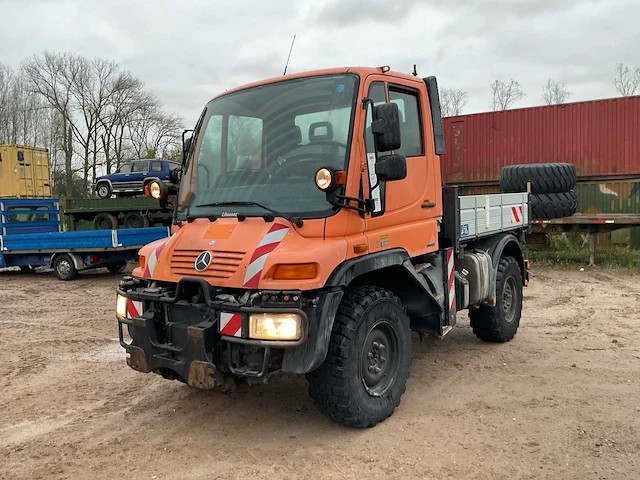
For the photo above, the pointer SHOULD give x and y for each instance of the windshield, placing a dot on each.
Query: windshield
(264, 145)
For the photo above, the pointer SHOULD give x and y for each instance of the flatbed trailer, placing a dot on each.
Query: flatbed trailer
(31, 236)
(111, 213)
(589, 224)
(70, 252)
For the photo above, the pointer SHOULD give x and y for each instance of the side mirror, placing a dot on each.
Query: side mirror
(386, 127)
(391, 167)
(186, 146)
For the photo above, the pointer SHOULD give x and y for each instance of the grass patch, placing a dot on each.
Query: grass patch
(567, 249)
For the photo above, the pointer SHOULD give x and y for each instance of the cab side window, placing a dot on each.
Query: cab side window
(410, 122)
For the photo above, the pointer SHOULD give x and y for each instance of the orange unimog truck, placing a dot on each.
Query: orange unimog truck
(312, 235)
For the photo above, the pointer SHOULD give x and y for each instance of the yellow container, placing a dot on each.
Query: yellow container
(24, 171)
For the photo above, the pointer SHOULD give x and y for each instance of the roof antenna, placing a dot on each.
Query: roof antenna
(290, 50)
(415, 72)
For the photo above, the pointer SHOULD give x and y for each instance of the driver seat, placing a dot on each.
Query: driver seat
(320, 134)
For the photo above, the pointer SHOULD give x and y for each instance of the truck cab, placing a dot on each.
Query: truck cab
(312, 235)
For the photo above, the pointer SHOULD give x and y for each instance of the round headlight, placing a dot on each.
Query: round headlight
(324, 178)
(155, 190)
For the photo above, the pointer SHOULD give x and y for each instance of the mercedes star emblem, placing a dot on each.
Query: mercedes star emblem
(203, 261)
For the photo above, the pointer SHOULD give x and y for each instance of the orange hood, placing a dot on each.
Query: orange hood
(241, 254)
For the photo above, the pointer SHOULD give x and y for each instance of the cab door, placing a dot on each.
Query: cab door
(404, 213)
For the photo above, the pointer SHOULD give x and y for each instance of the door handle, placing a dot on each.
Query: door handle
(429, 205)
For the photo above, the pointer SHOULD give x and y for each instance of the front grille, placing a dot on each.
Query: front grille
(223, 264)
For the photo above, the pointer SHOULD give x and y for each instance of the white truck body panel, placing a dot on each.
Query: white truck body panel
(484, 215)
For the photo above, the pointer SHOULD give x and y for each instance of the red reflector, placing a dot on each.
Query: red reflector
(94, 258)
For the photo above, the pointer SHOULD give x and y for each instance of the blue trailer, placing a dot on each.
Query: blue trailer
(31, 236)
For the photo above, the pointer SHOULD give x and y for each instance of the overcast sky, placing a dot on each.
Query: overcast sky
(189, 50)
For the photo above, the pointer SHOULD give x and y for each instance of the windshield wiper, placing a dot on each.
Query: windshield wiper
(297, 221)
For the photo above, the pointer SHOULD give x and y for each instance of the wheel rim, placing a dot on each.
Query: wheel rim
(103, 223)
(64, 267)
(379, 359)
(509, 300)
(103, 191)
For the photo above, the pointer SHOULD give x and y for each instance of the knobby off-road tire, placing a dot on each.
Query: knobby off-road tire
(544, 177)
(500, 323)
(553, 205)
(367, 366)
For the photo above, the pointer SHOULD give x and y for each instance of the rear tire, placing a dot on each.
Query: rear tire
(553, 205)
(104, 190)
(64, 267)
(544, 177)
(105, 221)
(500, 323)
(135, 220)
(366, 369)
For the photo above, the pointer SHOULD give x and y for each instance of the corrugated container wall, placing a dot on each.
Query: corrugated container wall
(24, 172)
(601, 138)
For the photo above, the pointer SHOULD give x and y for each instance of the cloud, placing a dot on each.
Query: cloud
(189, 51)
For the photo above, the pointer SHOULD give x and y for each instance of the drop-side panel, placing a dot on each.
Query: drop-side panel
(484, 215)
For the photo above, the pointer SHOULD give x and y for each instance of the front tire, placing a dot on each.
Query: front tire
(367, 366)
(500, 323)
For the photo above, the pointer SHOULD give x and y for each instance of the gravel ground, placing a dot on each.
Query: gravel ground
(560, 401)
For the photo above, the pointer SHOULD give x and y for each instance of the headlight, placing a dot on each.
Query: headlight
(154, 189)
(121, 306)
(275, 326)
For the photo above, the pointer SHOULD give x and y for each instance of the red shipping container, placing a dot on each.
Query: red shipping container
(600, 137)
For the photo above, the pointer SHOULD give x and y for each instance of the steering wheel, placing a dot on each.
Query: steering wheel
(323, 141)
(276, 172)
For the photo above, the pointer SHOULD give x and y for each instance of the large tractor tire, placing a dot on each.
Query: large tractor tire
(553, 205)
(367, 366)
(500, 323)
(544, 178)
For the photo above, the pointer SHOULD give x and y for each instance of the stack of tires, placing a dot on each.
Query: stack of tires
(552, 184)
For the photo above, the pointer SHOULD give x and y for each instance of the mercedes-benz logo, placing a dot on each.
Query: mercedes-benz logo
(203, 261)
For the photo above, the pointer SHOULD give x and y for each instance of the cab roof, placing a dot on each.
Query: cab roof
(362, 72)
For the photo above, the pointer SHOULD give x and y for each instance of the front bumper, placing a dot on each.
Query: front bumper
(182, 339)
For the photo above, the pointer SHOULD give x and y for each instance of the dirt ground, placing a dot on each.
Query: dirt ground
(562, 400)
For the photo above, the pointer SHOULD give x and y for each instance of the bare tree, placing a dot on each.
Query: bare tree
(89, 112)
(51, 76)
(627, 80)
(505, 94)
(453, 101)
(554, 92)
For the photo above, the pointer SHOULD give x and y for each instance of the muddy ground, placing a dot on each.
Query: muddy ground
(562, 400)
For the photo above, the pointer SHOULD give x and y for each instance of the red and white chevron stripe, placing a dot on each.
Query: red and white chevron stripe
(134, 308)
(517, 213)
(152, 260)
(267, 245)
(451, 280)
(231, 324)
